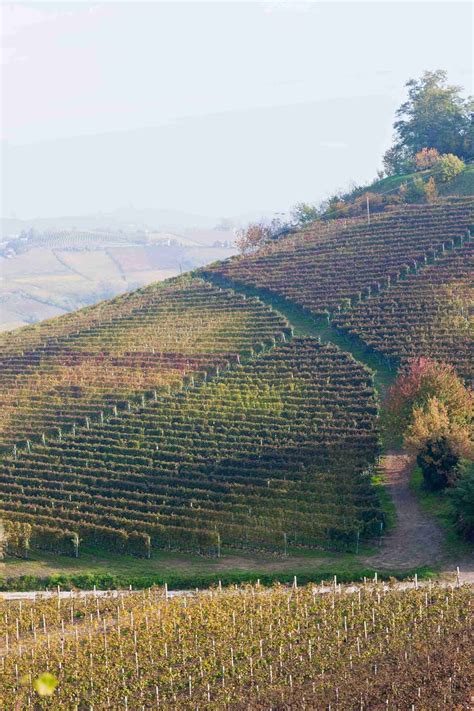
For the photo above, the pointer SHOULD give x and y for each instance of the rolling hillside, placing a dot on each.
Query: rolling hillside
(186, 415)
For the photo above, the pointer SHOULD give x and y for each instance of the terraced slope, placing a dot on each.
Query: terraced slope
(269, 454)
(83, 366)
(429, 313)
(332, 271)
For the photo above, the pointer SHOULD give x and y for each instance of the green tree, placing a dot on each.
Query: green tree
(434, 116)
(303, 213)
(398, 160)
(438, 461)
(415, 190)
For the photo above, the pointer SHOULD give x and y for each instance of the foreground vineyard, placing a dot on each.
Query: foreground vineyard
(242, 649)
(85, 365)
(269, 454)
(425, 314)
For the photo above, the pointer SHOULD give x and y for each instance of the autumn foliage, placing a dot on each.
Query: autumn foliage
(430, 407)
(423, 380)
(254, 236)
(426, 158)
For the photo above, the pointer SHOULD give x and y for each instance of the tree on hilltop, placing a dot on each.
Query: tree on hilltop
(435, 116)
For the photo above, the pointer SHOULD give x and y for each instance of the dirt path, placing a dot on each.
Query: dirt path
(416, 539)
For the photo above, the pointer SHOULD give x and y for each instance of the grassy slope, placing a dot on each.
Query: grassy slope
(438, 505)
(463, 184)
(183, 571)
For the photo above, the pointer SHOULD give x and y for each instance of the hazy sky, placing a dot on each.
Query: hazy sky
(214, 108)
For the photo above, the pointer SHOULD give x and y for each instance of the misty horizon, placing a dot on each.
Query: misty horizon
(214, 110)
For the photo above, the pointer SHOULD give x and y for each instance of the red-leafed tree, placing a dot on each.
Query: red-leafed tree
(430, 407)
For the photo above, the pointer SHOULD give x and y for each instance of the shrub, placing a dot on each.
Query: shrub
(426, 158)
(416, 190)
(348, 207)
(449, 166)
(431, 191)
(438, 462)
(253, 237)
(432, 410)
(421, 381)
(431, 423)
(303, 213)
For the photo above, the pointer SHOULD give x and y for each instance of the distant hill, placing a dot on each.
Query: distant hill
(47, 273)
(127, 219)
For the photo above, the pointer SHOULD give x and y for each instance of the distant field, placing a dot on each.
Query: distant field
(49, 275)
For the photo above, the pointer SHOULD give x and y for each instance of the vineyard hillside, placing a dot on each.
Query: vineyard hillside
(428, 313)
(271, 453)
(188, 415)
(89, 364)
(402, 284)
